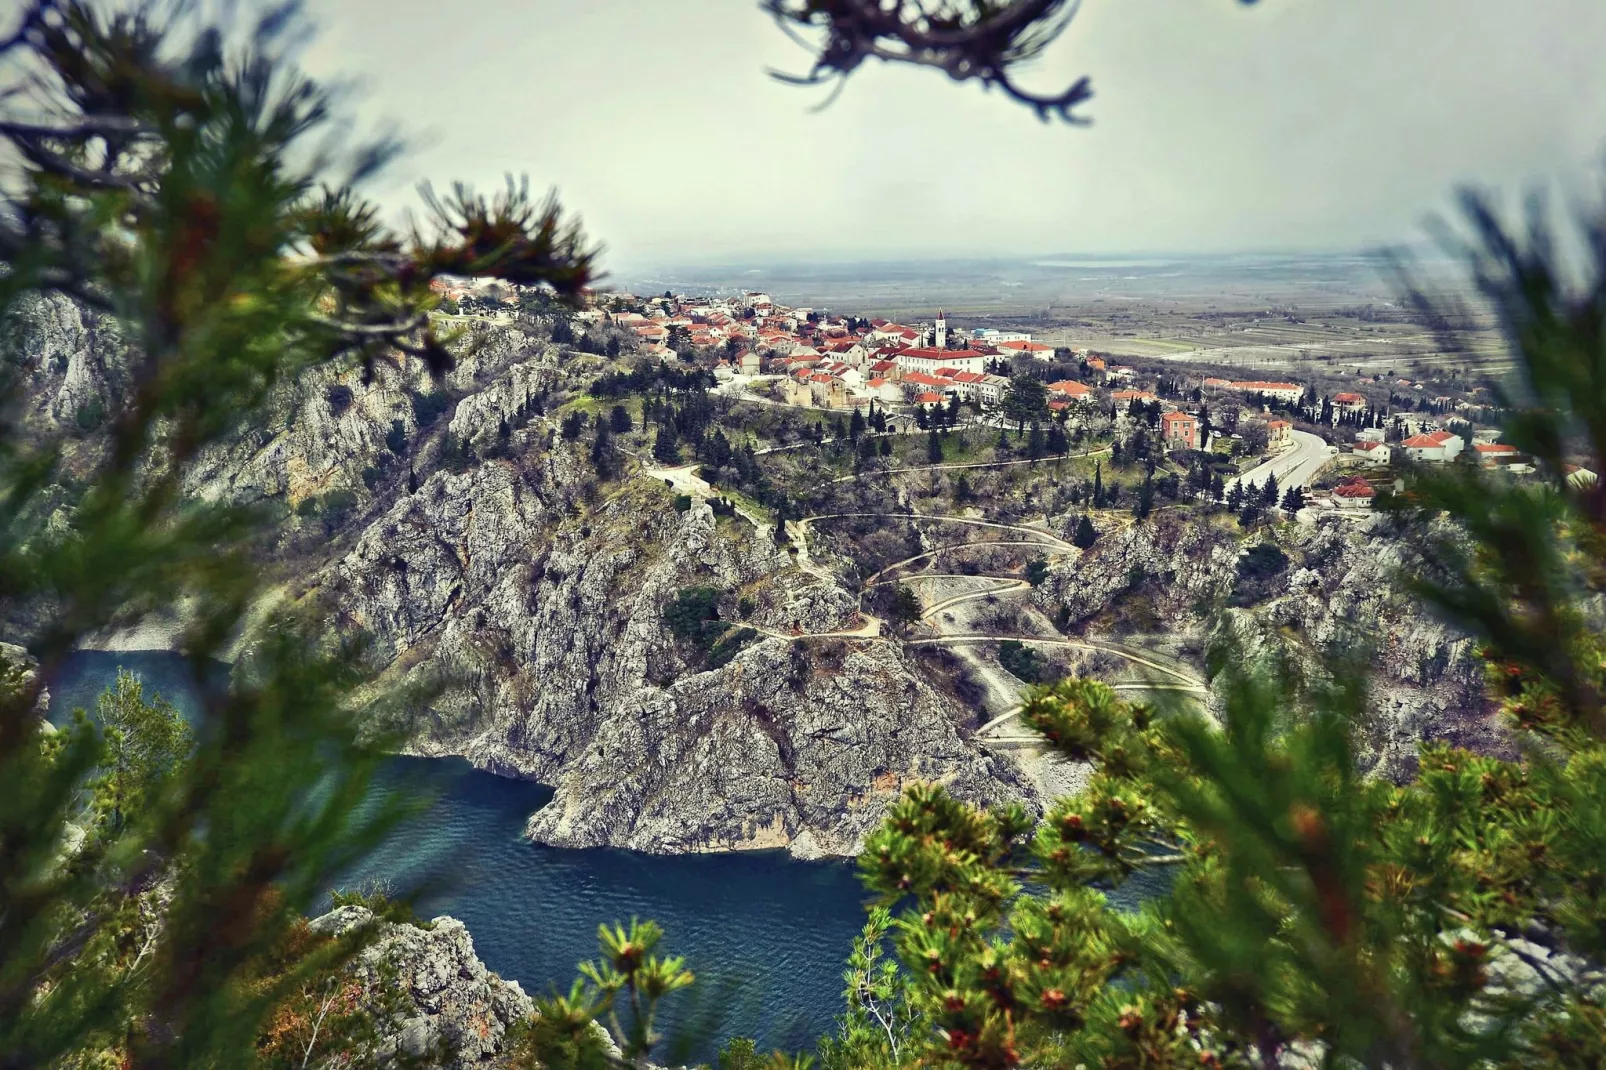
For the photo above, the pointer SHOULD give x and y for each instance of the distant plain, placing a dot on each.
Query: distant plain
(1255, 311)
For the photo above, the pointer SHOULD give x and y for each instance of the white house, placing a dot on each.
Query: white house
(929, 360)
(1433, 446)
(1026, 348)
(1370, 452)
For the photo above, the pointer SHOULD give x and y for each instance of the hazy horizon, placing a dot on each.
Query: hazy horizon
(1294, 125)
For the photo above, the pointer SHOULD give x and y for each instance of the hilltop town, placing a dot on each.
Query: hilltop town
(1340, 440)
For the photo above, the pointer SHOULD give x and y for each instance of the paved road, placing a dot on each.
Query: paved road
(1295, 466)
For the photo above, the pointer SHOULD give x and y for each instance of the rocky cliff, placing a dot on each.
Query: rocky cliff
(440, 1004)
(1315, 588)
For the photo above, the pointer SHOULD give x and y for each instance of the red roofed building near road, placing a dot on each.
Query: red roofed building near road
(1279, 432)
(928, 398)
(1133, 395)
(1433, 446)
(1180, 430)
(1493, 453)
(1354, 491)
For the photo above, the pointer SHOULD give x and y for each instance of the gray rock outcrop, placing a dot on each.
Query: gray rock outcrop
(440, 1000)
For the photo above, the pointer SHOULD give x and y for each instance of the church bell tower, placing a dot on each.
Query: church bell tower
(942, 329)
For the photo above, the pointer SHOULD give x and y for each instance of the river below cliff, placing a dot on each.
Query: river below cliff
(766, 935)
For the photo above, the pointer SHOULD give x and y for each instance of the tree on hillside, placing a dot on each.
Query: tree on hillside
(604, 456)
(1098, 484)
(933, 447)
(1057, 443)
(1085, 535)
(1268, 490)
(856, 426)
(666, 446)
(1036, 447)
(779, 534)
(619, 420)
(1025, 400)
(1145, 503)
(906, 609)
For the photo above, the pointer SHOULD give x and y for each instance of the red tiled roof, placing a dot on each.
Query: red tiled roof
(1070, 388)
(1494, 447)
(1430, 440)
(1256, 385)
(944, 354)
(1349, 399)
(929, 398)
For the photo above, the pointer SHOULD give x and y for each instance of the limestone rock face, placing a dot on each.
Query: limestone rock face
(1339, 586)
(446, 1001)
(545, 631)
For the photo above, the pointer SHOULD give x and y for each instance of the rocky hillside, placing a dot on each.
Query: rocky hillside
(440, 1003)
(1304, 589)
(456, 526)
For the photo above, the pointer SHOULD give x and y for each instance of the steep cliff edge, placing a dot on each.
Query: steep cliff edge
(439, 1003)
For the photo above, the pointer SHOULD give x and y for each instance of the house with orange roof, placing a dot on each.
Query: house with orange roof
(886, 391)
(977, 386)
(1130, 396)
(1180, 430)
(1373, 452)
(1096, 363)
(1279, 433)
(1348, 404)
(1491, 454)
(1354, 493)
(1071, 390)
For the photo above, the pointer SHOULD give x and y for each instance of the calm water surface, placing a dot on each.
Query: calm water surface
(766, 935)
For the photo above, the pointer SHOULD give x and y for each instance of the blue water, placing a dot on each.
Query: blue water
(766, 935)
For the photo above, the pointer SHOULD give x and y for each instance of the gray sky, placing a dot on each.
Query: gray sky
(1300, 123)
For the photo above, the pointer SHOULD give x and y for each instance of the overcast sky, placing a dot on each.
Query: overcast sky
(1296, 124)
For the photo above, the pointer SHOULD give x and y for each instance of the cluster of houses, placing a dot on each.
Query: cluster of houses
(823, 360)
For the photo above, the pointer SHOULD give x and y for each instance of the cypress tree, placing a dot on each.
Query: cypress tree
(1085, 535)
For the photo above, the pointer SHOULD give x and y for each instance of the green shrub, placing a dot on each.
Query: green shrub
(1022, 662)
(90, 415)
(427, 408)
